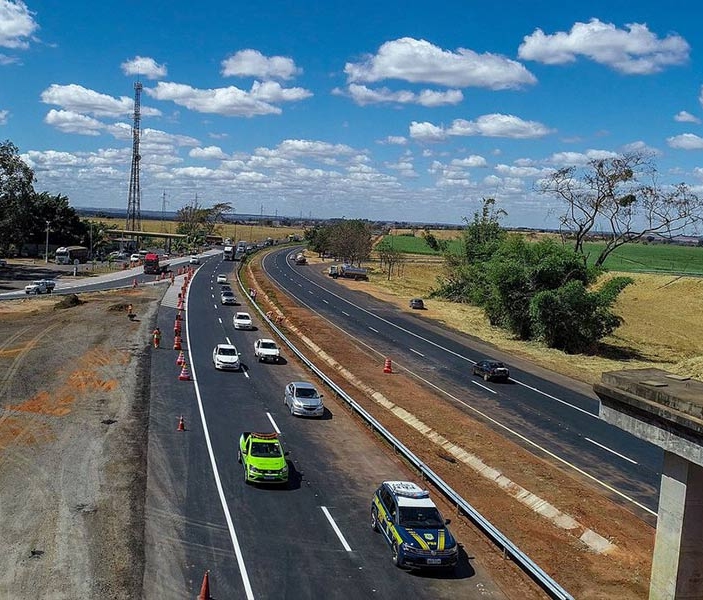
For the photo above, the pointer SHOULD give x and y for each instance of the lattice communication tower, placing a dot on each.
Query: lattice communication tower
(134, 217)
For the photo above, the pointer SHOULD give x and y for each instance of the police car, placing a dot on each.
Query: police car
(413, 526)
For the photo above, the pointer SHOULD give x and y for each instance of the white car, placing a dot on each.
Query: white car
(135, 258)
(265, 349)
(36, 287)
(242, 320)
(226, 356)
(193, 260)
(228, 297)
(221, 278)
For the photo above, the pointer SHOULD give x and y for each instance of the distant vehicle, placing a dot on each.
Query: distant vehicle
(226, 356)
(228, 297)
(3, 263)
(242, 246)
(412, 526)
(117, 255)
(194, 259)
(67, 255)
(228, 252)
(242, 320)
(221, 278)
(417, 303)
(262, 457)
(151, 264)
(40, 286)
(300, 259)
(239, 254)
(265, 349)
(491, 370)
(135, 258)
(303, 399)
(225, 287)
(348, 271)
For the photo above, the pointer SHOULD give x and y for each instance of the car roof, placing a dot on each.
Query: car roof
(267, 340)
(228, 346)
(227, 292)
(408, 493)
(303, 384)
(242, 314)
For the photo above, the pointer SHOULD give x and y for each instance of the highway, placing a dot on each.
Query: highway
(547, 415)
(310, 539)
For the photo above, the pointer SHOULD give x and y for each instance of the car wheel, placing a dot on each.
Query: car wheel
(374, 519)
(246, 476)
(486, 377)
(239, 456)
(291, 410)
(395, 555)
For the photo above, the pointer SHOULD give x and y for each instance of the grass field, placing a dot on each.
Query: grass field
(630, 258)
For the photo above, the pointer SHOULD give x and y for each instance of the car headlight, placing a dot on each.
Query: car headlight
(284, 469)
(409, 548)
(253, 469)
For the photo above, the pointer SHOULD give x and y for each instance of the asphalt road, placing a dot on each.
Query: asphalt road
(310, 539)
(545, 413)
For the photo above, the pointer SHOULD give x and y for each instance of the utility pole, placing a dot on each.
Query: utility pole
(163, 210)
(134, 218)
(46, 248)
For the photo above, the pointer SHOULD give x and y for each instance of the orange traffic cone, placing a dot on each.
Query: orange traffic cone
(181, 424)
(205, 588)
(181, 359)
(387, 366)
(185, 372)
(177, 342)
(134, 282)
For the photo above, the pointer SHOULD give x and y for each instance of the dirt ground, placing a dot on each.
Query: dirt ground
(73, 419)
(621, 573)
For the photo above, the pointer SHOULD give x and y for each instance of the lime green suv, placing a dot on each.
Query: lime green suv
(263, 458)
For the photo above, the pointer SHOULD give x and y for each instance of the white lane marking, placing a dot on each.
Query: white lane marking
(310, 292)
(634, 462)
(346, 314)
(440, 347)
(246, 373)
(220, 320)
(374, 330)
(325, 301)
(485, 387)
(275, 427)
(479, 412)
(347, 547)
(416, 352)
(213, 463)
(227, 338)
(215, 305)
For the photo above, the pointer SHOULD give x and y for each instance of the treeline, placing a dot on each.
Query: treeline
(347, 240)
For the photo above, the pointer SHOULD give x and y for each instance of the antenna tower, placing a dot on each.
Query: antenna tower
(134, 217)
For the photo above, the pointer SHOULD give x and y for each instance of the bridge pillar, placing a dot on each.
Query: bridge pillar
(666, 410)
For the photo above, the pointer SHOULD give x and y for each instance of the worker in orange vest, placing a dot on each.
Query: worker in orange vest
(157, 337)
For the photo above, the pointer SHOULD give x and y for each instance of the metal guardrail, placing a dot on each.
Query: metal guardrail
(551, 587)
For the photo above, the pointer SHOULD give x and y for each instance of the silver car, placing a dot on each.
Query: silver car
(303, 399)
(228, 297)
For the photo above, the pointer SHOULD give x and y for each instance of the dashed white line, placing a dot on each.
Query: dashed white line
(416, 352)
(310, 292)
(246, 374)
(485, 387)
(325, 301)
(347, 547)
(634, 462)
(275, 427)
(227, 338)
(374, 330)
(220, 320)
(346, 314)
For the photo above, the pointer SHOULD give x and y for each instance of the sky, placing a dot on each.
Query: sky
(396, 111)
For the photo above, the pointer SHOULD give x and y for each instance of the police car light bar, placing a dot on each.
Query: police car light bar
(408, 489)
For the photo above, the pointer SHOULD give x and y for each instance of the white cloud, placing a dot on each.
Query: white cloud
(633, 51)
(3, 116)
(493, 125)
(78, 99)
(209, 153)
(472, 161)
(686, 141)
(306, 148)
(144, 66)
(686, 117)
(51, 159)
(363, 95)
(17, 24)
(419, 61)
(68, 121)
(567, 159)
(517, 171)
(251, 63)
(230, 101)
(394, 140)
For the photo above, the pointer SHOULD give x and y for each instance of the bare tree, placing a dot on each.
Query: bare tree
(623, 195)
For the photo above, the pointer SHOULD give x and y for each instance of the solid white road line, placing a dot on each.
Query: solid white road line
(416, 352)
(484, 387)
(275, 427)
(634, 462)
(347, 547)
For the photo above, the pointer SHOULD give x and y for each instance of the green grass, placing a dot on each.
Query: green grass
(417, 245)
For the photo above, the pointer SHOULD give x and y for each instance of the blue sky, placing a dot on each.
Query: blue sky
(408, 111)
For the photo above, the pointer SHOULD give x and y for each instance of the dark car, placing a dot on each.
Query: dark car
(417, 303)
(492, 370)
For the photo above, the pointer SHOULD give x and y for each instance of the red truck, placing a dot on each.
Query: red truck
(152, 266)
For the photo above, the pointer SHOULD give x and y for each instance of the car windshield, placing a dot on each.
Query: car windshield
(425, 517)
(265, 449)
(268, 345)
(243, 317)
(306, 392)
(227, 351)
(496, 365)
(227, 294)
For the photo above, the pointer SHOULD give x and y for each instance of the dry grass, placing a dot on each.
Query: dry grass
(661, 327)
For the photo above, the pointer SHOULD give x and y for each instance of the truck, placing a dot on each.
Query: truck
(67, 255)
(228, 253)
(262, 457)
(348, 271)
(40, 286)
(266, 349)
(300, 259)
(152, 266)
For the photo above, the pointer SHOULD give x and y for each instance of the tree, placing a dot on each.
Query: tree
(350, 240)
(197, 222)
(390, 258)
(16, 191)
(622, 196)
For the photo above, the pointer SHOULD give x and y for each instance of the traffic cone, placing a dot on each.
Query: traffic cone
(181, 424)
(205, 588)
(134, 282)
(185, 372)
(387, 366)
(177, 325)
(181, 359)
(177, 342)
